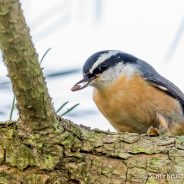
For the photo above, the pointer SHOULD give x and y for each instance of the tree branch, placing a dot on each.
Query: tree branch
(79, 155)
(33, 101)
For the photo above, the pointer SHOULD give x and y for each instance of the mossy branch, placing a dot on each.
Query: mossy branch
(33, 101)
(80, 155)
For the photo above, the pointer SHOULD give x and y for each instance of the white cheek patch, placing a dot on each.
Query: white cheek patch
(102, 58)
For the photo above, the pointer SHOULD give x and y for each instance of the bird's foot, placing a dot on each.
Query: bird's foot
(153, 132)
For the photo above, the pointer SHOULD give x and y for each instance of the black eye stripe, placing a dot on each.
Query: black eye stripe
(112, 61)
(108, 63)
(97, 71)
(103, 66)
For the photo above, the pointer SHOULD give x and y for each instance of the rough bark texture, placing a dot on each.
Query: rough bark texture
(33, 102)
(79, 155)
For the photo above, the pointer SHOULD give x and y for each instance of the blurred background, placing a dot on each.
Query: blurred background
(152, 30)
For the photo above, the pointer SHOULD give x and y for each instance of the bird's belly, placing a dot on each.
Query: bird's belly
(131, 105)
(122, 114)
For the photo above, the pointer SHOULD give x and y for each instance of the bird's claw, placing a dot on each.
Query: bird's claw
(153, 132)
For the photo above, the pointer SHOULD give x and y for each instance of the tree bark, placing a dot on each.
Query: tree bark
(69, 154)
(77, 155)
(33, 101)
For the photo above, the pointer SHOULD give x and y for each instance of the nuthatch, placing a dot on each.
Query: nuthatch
(132, 95)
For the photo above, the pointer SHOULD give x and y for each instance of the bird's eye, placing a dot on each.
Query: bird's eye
(96, 71)
(102, 67)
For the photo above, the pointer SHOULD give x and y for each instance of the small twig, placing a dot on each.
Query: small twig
(62, 106)
(175, 42)
(12, 108)
(70, 109)
(44, 55)
(4, 83)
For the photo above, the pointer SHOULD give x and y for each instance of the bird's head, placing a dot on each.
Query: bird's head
(104, 67)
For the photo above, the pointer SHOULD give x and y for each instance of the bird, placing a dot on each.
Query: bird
(132, 95)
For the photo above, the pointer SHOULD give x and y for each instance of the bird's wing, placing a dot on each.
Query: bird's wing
(158, 81)
(167, 87)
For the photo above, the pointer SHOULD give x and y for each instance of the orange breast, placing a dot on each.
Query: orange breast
(131, 104)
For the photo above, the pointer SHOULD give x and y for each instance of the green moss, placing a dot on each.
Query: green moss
(141, 149)
(159, 164)
(19, 156)
(67, 139)
(5, 178)
(7, 133)
(180, 142)
(93, 158)
(47, 162)
(122, 154)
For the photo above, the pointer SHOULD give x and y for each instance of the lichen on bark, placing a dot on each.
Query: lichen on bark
(80, 155)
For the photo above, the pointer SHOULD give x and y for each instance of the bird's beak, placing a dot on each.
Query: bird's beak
(82, 84)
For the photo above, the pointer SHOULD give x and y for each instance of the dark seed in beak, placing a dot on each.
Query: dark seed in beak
(81, 84)
(76, 87)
